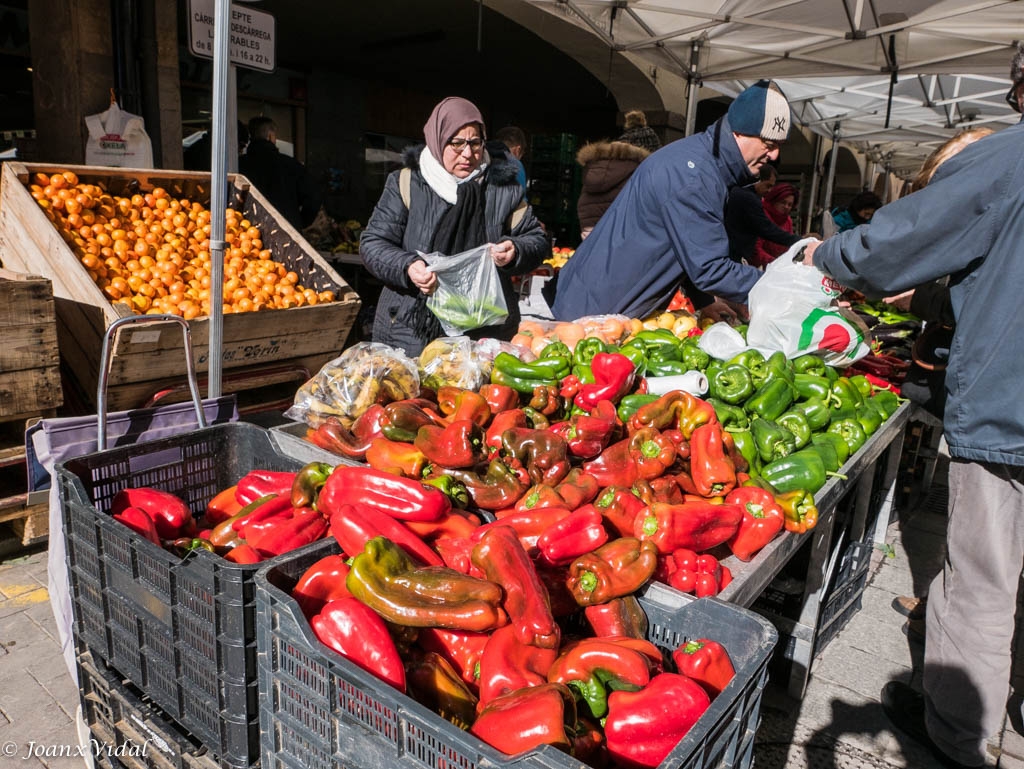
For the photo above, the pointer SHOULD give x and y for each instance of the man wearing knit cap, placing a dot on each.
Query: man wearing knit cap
(666, 228)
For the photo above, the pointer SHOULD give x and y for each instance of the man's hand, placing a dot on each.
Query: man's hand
(421, 277)
(504, 252)
(809, 250)
(724, 311)
(901, 301)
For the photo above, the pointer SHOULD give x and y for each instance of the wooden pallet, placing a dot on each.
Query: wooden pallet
(22, 524)
(29, 361)
(152, 352)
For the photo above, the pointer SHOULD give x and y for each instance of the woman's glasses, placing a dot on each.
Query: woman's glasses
(459, 144)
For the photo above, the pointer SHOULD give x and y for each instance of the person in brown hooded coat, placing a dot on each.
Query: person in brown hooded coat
(607, 167)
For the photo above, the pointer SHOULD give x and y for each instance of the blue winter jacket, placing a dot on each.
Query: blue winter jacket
(665, 226)
(967, 223)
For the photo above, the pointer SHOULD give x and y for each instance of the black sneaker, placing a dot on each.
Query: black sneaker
(914, 629)
(905, 709)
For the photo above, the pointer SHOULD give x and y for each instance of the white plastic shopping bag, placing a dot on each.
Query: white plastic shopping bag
(791, 309)
(468, 293)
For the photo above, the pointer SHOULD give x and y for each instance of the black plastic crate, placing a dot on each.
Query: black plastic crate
(845, 598)
(320, 711)
(128, 733)
(182, 630)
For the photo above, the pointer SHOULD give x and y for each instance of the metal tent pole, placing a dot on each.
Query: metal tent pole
(830, 182)
(812, 198)
(693, 77)
(218, 191)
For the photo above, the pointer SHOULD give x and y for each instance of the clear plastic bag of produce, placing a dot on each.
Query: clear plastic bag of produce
(452, 360)
(791, 310)
(345, 387)
(468, 293)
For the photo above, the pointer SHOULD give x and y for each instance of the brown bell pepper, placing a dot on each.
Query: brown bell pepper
(695, 525)
(433, 682)
(462, 649)
(652, 452)
(678, 410)
(619, 617)
(333, 436)
(615, 569)
(457, 404)
(396, 457)
(577, 488)
(460, 444)
(402, 419)
(384, 578)
(542, 453)
(508, 664)
(499, 398)
(663, 489)
(504, 420)
(711, 467)
(546, 400)
(497, 488)
(504, 561)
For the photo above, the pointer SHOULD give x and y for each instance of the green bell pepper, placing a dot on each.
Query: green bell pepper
(812, 386)
(730, 415)
(802, 470)
(584, 373)
(773, 440)
(555, 367)
(845, 394)
(851, 431)
(809, 364)
(660, 367)
(864, 387)
(815, 411)
(869, 419)
(885, 401)
(586, 349)
(556, 350)
(837, 442)
(771, 399)
(745, 445)
(831, 374)
(630, 404)
(694, 357)
(732, 383)
(778, 366)
(660, 343)
(796, 423)
(827, 451)
(754, 362)
(636, 351)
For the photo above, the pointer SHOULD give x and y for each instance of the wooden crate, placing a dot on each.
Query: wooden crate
(151, 354)
(22, 522)
(29, 362)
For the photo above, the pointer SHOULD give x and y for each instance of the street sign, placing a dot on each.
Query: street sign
(251, 35)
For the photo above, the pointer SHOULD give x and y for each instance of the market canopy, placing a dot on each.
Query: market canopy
(894, 84)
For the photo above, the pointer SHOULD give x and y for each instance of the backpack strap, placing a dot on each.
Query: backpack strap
(518, 214)
(404, 184)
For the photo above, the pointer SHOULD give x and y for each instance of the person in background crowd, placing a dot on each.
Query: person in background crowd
(637, 132)
(460, 193)
(857, 211)
(666, 228)
(967, 222)
(930, 301)
(607, 167)
(515, 140)
(746, 220)
(777, 204)
(283, 180)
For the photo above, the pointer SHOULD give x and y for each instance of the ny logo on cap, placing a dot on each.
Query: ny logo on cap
(779, 124)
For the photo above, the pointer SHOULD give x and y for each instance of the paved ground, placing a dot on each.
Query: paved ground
(837, 725)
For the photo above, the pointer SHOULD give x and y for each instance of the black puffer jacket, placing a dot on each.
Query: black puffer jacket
(395, 233)
(607, 167)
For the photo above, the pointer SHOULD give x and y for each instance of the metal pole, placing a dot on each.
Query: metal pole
(812, 198)
(693, 77)
(830, 183)
(218, 191)
(231, 121)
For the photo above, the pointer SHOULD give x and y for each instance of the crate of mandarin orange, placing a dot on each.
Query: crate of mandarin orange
(117, 242)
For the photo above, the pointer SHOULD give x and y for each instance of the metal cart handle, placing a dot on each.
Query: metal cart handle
(101, 388)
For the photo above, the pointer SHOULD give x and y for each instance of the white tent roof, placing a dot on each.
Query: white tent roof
(834, 59)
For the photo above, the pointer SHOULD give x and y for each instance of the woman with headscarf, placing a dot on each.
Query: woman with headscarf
(778, 202)
(456, 193)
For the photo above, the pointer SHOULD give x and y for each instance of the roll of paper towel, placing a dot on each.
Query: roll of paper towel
(693, 382)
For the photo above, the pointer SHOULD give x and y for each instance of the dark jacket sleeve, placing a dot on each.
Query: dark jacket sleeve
(309, 196)
(532, 246)
(381, 243)
(746, 211)
(931, 302)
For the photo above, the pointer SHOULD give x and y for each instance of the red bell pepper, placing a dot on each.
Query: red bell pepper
(224, 534)
(694, 525)
(322, 582)
(619, 506)
(396, 457)
(456, 524)
(243, 553)
(527, 524)
(221, 507)
(140, 522)
(499, 398)
(527, 718)
(762, 520)
(332, 435)
(357, 632)
(504, 420)
(711, 467)
(588, 434)
(706, 662)
(169, 513)
(284, 534)
(457, 404)
(460, 444)
(542, 453)
(664, 489)
(554, 580)
(260, 483)
(579, 532)
(508, 664)
(652, 452)
(503, 560)
(615, 569)
(615, 466)
(677, 410)
(355, 525)
(405, 499)
(258, 512)
(462, 648)
(591, 666)
(577, 488)
(643, 727)
(613, 378)
(537, 496)
(619, 617)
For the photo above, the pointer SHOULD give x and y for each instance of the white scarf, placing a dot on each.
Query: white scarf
(442, 182)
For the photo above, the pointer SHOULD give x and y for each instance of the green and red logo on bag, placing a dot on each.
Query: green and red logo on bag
(826, 330)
